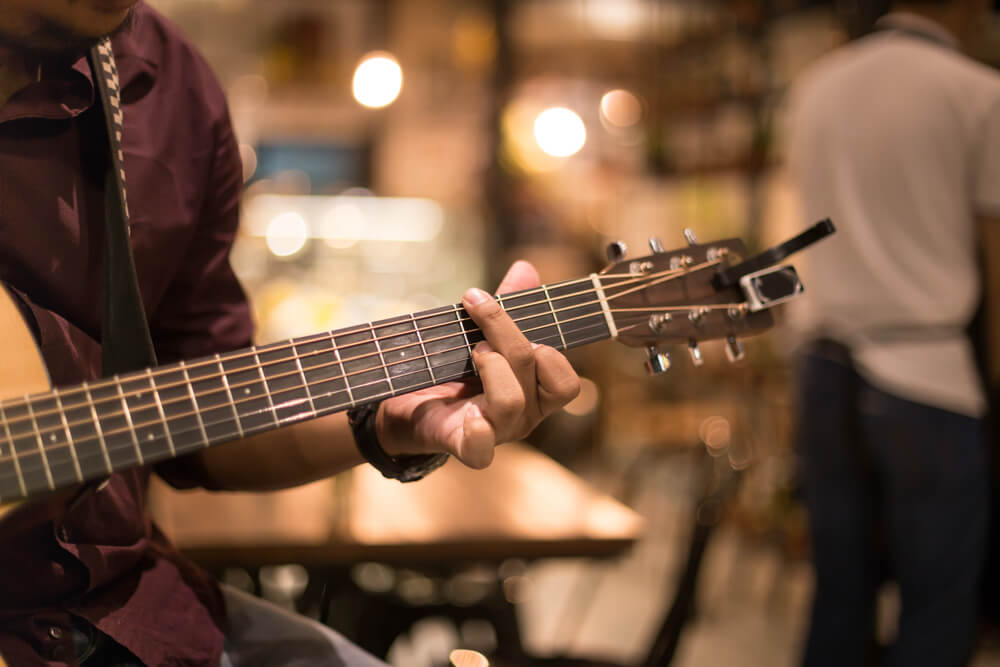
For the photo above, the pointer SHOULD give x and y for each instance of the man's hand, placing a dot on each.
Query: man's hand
(522, 383)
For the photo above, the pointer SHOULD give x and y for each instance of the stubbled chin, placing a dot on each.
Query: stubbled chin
(51, 39)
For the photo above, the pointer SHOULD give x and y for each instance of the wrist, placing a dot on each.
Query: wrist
(367, 423)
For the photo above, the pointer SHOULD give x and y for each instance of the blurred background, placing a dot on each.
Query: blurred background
(397, 152)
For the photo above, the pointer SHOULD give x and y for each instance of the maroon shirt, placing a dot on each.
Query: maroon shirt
(102, 559)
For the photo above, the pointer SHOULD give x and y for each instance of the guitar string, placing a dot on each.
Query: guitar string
(22, 456)
(36, 432)
(111, 383)
(366, 328)
(158, 422)
(385, 368)
(298, 401)
(117, 399)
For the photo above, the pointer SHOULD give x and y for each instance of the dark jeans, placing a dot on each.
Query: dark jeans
(892, 487)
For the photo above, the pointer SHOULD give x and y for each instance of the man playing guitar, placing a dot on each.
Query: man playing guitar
(86, 577)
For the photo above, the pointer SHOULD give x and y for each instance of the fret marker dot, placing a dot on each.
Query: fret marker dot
(150, 437)
(53, 437)
(246, 391)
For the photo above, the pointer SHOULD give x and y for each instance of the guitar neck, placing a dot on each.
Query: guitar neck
(81, 433)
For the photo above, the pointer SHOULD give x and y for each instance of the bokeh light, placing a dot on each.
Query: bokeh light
(560, 132)
(621, 108)
(378, 80)
(286, 234)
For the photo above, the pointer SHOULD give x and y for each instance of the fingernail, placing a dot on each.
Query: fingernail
(475, 296)
(535, 346)
(472, 410)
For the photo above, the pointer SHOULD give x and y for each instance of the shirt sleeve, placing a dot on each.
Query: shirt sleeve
(986, 183)
(205, 310)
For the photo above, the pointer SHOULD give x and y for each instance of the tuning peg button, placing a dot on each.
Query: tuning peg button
(658, 362)
(690, 237)
(655, 244)
(616, 251)
(695, 353)
(734, 349)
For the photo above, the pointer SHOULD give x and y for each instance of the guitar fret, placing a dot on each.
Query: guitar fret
(465, 334)
(555, 318)
(305, 383)
(423, 349)
(364, 370)
(97, 428)
(69, 436)
(114, 426)
(252, 404)
(13, 454)
(324, 374)
(128, 419)
(285, 383)
(229, 394)
(385, 368)
(163, 415)
(347, 384)
(403, 354)
(41, 447)
(267, 390)
(194, 403)
(446, 347)
(535, 317)
(580, 313)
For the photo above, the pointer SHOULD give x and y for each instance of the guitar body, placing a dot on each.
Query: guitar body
(21, 368)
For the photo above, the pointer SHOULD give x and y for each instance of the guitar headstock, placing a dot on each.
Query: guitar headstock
(692, 294)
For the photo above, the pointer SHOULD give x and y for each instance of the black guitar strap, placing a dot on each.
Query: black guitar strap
(126, 344)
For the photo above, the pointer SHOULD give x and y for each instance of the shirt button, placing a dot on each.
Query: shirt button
(56, 632)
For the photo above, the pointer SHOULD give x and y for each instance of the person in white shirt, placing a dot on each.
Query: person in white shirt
(896, 137)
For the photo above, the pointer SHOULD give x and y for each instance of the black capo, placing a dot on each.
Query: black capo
(731, 276)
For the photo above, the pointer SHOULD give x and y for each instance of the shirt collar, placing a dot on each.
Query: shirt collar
(67, 90)
(920, 26)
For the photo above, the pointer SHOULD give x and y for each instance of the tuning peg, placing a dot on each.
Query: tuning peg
(690, 237)
(616, 251)
(658, 362)
(655, 244)
(695, 353)
(657, 321)
(734, 349)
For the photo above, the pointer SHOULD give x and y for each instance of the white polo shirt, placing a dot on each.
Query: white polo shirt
(896, 137)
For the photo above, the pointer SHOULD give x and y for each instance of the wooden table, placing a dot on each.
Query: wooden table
(524, 505)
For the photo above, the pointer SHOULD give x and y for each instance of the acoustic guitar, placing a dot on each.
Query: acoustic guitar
(55, 439)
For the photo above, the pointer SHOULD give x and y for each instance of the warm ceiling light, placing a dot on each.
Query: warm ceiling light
(621, 108)
(377, 80)
(560, 132)
(286, 234)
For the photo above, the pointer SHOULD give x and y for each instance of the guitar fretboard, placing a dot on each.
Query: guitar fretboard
(86, 432)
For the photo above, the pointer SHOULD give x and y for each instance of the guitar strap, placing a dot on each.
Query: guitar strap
(126, 343)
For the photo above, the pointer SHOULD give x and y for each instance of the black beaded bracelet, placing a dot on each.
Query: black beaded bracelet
(403, 468)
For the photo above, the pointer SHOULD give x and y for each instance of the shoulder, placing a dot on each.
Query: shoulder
(174, 63)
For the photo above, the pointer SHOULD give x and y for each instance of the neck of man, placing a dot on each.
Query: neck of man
(949, 16)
